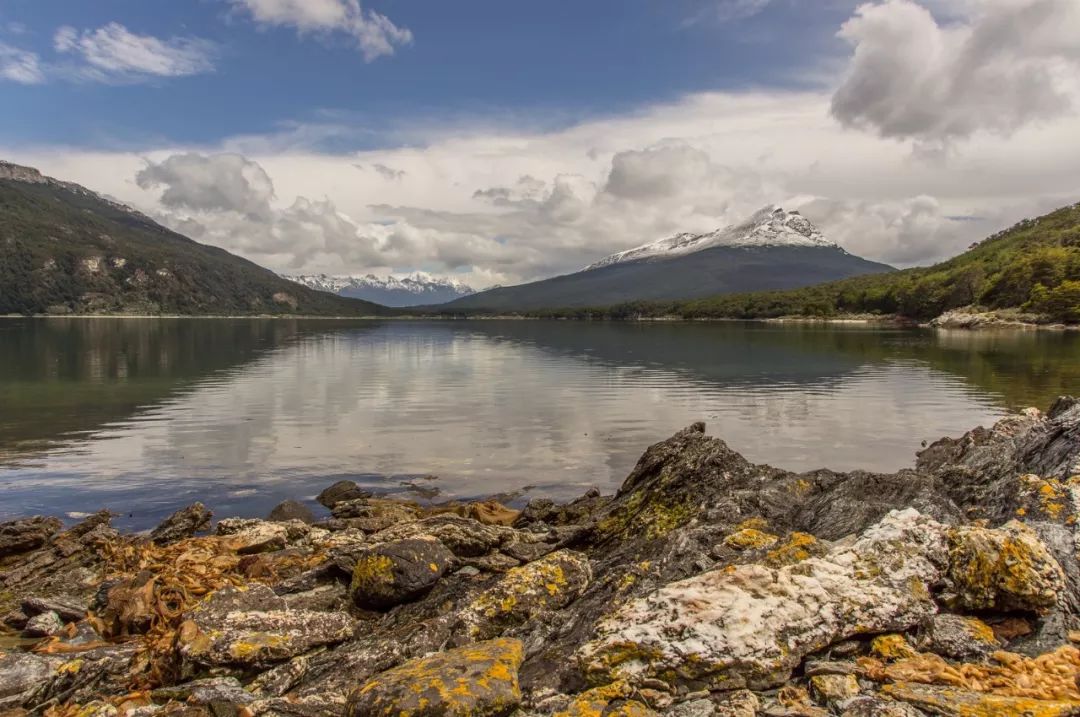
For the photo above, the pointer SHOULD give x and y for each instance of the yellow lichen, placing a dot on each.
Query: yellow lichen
(960, 703)
(597, 702)
(891, 647)
(795, 549)
(750, 539)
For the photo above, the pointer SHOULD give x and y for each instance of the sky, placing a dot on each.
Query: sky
(497, 142)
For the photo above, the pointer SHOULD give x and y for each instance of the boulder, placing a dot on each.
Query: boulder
(551, 583)
(291, 510)
(340, 492)
(957, 637)
(254, 627)
(478, 680)
(69, 609)
(465, 537)
(397, 572)
(1002, 570)
(750, 625)
(374, 514)
(26, 534)
(182, 524)
(251, 536)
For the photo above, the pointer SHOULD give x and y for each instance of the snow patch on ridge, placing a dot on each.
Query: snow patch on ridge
(770, 226)
(416, 283)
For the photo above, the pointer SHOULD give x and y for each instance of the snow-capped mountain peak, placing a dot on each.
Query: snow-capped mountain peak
(768, 227)
(408, 290)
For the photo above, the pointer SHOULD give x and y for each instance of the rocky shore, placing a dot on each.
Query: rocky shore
(706, 586)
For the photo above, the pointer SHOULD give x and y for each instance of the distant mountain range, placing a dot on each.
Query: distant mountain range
(416, 289)
(66, 250)
(773, 249)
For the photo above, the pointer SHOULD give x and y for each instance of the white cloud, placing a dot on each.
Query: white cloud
(1002, 65)
(20, 66)
(502, 205)
(113, 53)
(726, 10)
(374, 34)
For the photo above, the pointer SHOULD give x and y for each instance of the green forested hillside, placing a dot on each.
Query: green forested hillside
(1034, 266)
(65, 250)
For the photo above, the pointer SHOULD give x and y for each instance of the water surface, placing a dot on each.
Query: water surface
(144, 416)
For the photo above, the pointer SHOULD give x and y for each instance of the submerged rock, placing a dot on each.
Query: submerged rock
(340, 492)
(479, 680)
(389, 574)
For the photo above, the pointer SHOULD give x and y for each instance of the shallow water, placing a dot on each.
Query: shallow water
(144, 416)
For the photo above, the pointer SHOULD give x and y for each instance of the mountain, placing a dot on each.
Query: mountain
(416, 289)
(66, 250)
(773, 249)
(1032, 267)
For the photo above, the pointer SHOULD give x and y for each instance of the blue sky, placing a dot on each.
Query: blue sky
(502, 141)
(557, 62)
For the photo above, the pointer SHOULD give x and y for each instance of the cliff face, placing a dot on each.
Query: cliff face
(707, 585)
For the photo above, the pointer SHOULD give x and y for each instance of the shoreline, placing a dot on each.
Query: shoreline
(963, 321)
(707, 585)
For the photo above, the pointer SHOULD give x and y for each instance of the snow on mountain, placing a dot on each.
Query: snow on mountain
(414, 289)
(770, 226)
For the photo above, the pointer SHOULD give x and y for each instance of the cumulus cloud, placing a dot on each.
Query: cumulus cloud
(201, 183)
(113, 53)
(1002, 65)
(374, 34)
(20, 66)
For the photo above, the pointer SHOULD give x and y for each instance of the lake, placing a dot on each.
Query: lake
(143, 416)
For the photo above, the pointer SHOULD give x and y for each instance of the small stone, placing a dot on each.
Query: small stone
(206, 691)
(340, 492)
(831, 689)
(693, 708)
(892, 647)
(740, 703)
(869, 706)
(478, 680)
(614, 700)
(468, 572)
(46, 624)
(390, 574)
(829, 667)
(291, 510)
(248, 537)
(182, 524)
(750, 539)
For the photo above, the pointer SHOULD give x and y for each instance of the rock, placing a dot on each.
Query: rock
(749, 625)
(343, 490)
(254, 627)
(206, 691)
(957, 637)
(248, 537)
(68, 608)
(465, 537)
(291, 510)
(739, 703)
(551, 583)
(374, 514)
(693, 708)
(46, 624)
(26, 534)
(870, 706)
(182, 524)
(279, 680)
(962, 703)
(812, 668)
(478, 680)
(20, 673)
(1002, 570)
(89, 675)
(750, 539)
(830, 690)
(614, 699)
(393, 573)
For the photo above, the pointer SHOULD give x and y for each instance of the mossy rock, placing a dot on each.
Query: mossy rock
(479, 680)
(398, 572)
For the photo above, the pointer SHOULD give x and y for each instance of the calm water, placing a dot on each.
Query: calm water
(143, 416)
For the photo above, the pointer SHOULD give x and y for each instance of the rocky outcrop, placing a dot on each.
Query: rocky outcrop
(706, 586)
(184, 523)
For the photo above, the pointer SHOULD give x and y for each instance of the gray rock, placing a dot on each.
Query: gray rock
(46, 624)
(182, 524)
(26, 534)
(957, 637)
(291, 510)
(254, 627)
(868, 706)
(390, 574)
(206, 691)
(20, 673)
(340, 492)
(68, 608)
(693, 708)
